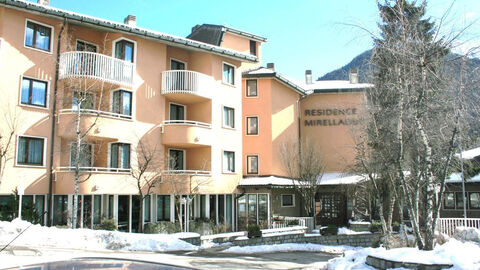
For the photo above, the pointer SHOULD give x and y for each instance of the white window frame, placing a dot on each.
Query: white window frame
(246, 88)
(178, 104)
(33, 106)
(293, 200)
(135, 46)
(223, 117)
(92, 153)
(44, 152)
(52, 35)
(109, 157)
(184, 158)
(132, 105)
(224, 169)
(258, 163)
(246, 125)
(177, 60)
(234, 73)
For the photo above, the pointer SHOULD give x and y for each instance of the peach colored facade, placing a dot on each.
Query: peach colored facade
(148, 89)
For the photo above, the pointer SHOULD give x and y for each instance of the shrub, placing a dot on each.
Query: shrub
(161, 227)
(396, 226)
(376, 226)
(293, 222)
(329, 230)
(202, 226)
(108, 224)
(254, 231)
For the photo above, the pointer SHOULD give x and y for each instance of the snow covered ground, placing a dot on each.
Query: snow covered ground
(86, 239)
(287, 248)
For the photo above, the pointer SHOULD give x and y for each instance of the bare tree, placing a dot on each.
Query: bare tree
(147, 171)
(303, 163)
(10, 119)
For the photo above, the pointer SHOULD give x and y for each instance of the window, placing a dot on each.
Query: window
(146, 209)
(176, 159)
(30, 151)
(252, 88)
(449, 200)
(252, 125)
(252, 164)
(122, 102)
(288, 200)
(228, 161)
(459, 200)
(82, 100)
(163, 207)
(177, 112)
(177, 65)
(228, 117)
(60, 209)
(228, 74)
(253, 47)
(120, 155)
(34, 92)
(38, 36)
(83, 46)
(474, 200)
(85, 155)
(124, 50)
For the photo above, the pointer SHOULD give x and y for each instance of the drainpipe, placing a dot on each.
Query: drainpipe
(52, 131)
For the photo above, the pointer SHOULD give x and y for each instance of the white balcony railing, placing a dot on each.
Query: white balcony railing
(187, 123)
(96, 113)
(448, 225)
(94, 169)
(186, 172)
(96, 66)
(186, 82)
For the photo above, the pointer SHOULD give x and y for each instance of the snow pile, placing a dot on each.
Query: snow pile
(287, 248)
(39, 236)
(345, 230)
(461, 255)
(467, 234)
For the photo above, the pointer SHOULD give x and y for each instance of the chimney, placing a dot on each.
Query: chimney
(43, 2)
(271, 66)
(308, 76)
(130, 20)
(353, 75)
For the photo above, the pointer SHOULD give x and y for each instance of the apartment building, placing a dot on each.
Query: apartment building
(123, 92)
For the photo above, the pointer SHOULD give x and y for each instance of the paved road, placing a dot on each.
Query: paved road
(203, 259)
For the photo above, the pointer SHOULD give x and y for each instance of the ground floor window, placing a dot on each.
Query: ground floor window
(252, 209)
(331, 208)
(60, 210)
(163, 207)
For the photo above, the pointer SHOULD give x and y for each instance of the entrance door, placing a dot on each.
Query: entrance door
(177, 112)
(135, 213)
(176, 159)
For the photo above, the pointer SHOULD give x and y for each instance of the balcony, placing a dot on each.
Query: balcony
(96, 66)
(105, 124)
(101, 180)
(185, 133)
(186, 86)
(187, 172)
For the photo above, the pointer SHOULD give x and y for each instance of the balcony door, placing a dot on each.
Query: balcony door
(179, 79)
(176, 159)
(87, 61)
(177, 112)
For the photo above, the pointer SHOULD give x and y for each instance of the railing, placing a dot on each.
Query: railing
(187, 123)
(96, 113)
(97, 66)
(94, 169)
(448, 225)
(302, 221)
(186, 82)
(187, 172)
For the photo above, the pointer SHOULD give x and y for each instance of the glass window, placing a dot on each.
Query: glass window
(252, 88)
(60, 209)
(242, 212)
(120, 155)
(459, 200)
(213, 211)
(34, 92)
(124, 50)
(228, 161)
(228, 117)
(474, 198)
(146, 208)
(85, 155)
(287, 200)
(86, 47)
(263, 210)
(253, 47)
(252, 164)
(203, 207)
(97, 202)
(38, 36)
(228, 74)
(110, 206)
(163, 207)
(252, 209)
(82, 100)
(30, 151)
(122, 102)
(252, 125)
(87, 211)
(176, 159)
(40, 207)
(449, 200)
(221, 209)
(228, 207)
(177, 112)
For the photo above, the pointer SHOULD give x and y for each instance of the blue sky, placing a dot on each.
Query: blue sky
(302, 34)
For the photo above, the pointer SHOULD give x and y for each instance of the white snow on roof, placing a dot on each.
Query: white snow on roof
(261, 70)
(266, 181)
(113, 23)
(337, 178)
(336, 84)
(469, 154)
(457, 178)
(327, 179)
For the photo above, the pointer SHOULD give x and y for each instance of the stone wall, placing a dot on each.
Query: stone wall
(380, 263)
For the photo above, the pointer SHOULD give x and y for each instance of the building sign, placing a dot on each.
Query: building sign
(331, 117)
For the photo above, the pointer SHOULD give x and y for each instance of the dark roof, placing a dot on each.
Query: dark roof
(213, 34)
(120, 27)
(262, 72)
